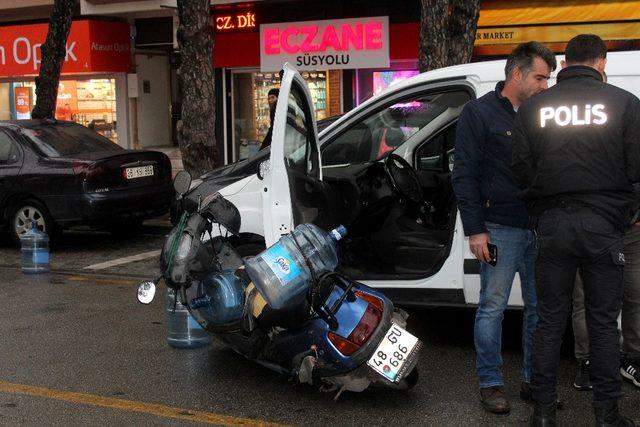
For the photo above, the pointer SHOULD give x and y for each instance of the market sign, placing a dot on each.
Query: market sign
(556, 33)
(92, 47)
(330, 44)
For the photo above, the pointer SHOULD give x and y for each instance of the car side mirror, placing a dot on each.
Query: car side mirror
(182, 182)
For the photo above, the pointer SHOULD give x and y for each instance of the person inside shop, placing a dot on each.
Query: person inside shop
(576, 153)
(272, 99)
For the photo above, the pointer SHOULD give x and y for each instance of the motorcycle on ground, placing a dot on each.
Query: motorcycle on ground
(344, 336)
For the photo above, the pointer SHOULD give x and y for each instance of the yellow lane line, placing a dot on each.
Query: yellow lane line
(131, 406)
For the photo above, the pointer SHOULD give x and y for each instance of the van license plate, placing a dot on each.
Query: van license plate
(139, 172)
(394, 353)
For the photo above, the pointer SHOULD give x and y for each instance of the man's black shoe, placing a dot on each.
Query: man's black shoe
(494, 400)
(582, 381)
(543, 415)
(607, 415)
(525, 394)
(630, 370)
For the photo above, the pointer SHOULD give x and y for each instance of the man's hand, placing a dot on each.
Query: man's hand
(478, 245)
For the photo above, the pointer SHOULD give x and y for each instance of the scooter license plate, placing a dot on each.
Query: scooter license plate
(394, 354)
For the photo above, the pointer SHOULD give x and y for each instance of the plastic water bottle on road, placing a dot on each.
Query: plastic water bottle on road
(34, 246)
(281, 273)
(182, 330)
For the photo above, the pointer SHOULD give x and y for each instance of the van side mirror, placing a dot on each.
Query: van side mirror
(182, 182)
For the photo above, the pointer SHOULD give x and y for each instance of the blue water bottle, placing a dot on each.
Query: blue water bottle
(183, 331)
(35, 250)
(282, 273)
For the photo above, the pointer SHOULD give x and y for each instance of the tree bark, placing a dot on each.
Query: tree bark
(196, 135)
(53, 55)
(447, 32)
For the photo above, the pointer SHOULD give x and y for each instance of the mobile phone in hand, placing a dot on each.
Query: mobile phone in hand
(493, 254)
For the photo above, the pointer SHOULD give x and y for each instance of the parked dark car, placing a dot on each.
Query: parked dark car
(61, 174)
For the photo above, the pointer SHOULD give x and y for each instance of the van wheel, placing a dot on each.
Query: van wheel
(25, 213)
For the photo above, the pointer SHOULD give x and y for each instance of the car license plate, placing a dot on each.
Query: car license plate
(139, 172)
(394, 354)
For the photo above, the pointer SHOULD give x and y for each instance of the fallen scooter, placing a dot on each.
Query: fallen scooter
(341, 336)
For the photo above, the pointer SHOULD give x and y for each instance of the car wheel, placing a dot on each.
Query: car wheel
(23, 215)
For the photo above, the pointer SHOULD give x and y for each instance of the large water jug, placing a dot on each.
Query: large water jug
(34, 245)
(182, 330)
(281, 273)
(221, 298)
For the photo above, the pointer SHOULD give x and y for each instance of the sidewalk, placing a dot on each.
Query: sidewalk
(174, 156)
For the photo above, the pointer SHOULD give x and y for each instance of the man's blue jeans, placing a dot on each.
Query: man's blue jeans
(516, 254)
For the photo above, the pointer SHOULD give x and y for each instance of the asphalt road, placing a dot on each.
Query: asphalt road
(78, 349)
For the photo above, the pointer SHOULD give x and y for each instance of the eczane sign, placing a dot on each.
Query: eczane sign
(330, 44)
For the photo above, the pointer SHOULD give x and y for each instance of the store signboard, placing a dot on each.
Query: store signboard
(556, 33)
(92, 47)
(322, 45)
(22, 96)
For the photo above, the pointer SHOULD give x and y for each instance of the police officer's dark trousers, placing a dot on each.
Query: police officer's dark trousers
(572, 237)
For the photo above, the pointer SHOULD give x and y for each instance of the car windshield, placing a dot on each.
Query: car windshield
(66, 139)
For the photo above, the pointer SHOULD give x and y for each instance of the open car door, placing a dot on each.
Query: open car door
(294, 164)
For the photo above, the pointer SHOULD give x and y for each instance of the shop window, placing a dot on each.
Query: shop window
(251, 113)
(91, 103)
(5, 101)
(371, 82)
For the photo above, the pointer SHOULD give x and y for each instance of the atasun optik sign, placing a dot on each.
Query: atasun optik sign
(322, 45)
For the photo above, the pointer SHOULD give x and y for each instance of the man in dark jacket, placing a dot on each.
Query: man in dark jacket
(491, 213)
(576, 152)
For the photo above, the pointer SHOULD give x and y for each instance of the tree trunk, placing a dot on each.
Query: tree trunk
(463, 25)
(447, 32)
(53, 51)
(196, 135)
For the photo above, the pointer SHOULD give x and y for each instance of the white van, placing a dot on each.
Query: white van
(384, 171)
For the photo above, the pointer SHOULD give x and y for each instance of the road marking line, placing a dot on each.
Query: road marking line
(102, 281)
(132, 406)
(125, 260)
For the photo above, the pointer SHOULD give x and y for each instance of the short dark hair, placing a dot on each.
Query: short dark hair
(273, 91)
(585, 49)
(524, 54)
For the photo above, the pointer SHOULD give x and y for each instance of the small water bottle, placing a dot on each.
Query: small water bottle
(35, 251)
(183, 331)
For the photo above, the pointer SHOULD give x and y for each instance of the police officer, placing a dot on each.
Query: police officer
(576, 154)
